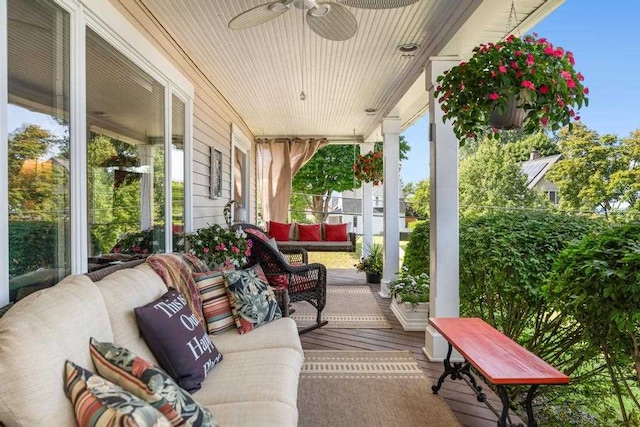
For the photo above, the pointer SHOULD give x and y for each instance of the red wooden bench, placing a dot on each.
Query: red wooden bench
(500, 360)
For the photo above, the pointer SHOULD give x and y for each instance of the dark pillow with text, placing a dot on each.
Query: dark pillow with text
(177, 339)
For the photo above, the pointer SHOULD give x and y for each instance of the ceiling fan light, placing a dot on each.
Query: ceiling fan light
(320, 10)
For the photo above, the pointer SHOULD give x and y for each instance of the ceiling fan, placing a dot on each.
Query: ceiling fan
(331, 20)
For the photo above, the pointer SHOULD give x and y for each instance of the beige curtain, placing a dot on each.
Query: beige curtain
(278, 161)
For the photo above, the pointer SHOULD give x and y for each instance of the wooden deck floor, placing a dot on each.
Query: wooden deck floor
(458, 395)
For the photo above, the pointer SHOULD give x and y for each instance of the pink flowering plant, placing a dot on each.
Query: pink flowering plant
(219, 247)
(540, 76)
(368, 167)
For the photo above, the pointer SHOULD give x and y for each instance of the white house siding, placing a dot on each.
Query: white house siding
(212, 120)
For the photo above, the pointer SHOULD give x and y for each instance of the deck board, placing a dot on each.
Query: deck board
(458, 395)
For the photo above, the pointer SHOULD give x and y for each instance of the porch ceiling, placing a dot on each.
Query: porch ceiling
(259, 70)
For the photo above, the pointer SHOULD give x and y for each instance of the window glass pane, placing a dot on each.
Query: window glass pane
(177, 173)
(125, 155)
(38, 145)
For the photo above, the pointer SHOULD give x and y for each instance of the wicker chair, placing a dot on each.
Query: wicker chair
(303, 281)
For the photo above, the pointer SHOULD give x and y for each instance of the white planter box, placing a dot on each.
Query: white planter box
(411, 318)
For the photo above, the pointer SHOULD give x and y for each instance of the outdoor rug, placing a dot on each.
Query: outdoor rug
(368, 388)
(348, 307)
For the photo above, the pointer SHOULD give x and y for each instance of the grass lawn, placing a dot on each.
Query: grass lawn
(346, 259)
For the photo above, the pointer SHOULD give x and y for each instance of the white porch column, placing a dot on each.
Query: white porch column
(367, 206)
(444, 240)
(391, 137)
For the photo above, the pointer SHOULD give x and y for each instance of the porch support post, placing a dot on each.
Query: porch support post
(391, 136)
(367, 206)
(444, 298)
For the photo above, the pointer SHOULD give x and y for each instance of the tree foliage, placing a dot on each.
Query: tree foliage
(598, 173)
(491, 178)
(417, 196)
(595, 282)
(329, 170)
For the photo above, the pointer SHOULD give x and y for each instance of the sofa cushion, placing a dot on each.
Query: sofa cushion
(255, 414)
(37, 336)
(280, 231)
(216, 307)
(281, 333)
(262, 375)
(123, 291)
(309, 232)
(252, 301)
(336, 232)
(98, 402)
(149, 383)
(177, 339)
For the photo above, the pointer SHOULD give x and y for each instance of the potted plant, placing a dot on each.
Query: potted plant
(527, 73)
(369, 167)
(372, 264)
(219, 247)
(410, 300)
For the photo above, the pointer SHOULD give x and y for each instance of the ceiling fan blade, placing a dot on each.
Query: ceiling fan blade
(332, 21)
(377, 4)
(259, 15)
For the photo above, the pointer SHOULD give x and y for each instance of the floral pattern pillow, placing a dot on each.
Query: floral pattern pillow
(252, 301)
(98, 402)
(150, 383)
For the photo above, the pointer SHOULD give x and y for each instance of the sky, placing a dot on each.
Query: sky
(604, 39)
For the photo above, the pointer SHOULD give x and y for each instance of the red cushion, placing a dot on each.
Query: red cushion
(279, 231)
(335, 233)
(309, 232)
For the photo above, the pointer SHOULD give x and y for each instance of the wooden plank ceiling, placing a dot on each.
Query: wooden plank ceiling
(260, 70)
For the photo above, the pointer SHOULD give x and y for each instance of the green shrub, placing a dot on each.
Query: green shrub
(597, 283)
(416, 254)
(34, 245)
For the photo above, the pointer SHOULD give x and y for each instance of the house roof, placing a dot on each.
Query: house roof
(537, 168)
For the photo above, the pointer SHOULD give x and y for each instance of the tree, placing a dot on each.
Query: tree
(492, 178)
(598, 173)
(520, 149)
(329, 170)
(417, 196)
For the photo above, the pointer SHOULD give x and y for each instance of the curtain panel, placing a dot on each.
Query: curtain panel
(278, 161)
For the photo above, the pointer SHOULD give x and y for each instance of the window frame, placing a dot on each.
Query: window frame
(104, 19)
(240, 141)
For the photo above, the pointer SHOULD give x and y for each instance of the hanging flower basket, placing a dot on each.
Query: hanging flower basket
(537, 76)
(512, 117)
(369, 167)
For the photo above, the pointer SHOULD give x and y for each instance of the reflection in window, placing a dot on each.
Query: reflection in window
(177, 173)
(125, 155)
(38, 145)
(241, 184)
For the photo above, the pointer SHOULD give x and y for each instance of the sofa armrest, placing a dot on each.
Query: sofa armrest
(282, 296)
(296, 255)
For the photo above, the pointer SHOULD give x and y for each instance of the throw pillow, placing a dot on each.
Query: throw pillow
(98, 402)
(150, 383)
(336, 233)
(280, 231)
(252, 301)
(216, 307)
(177, 339)
(309, 232)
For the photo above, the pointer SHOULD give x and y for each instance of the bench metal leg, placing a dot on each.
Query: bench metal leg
(531, 422)
(458, 371)
(502, 421)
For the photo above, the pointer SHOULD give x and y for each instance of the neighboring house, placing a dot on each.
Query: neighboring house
(536, 168)
(348, 208)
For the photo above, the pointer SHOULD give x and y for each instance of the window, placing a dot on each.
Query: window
(215, 173)
(355, 221)
(240, 176)
(553, 196)
(125, 153)
(38, 145)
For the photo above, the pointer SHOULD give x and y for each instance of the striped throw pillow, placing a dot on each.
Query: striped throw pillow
(216, 308)
(150, 383)
(98, 402)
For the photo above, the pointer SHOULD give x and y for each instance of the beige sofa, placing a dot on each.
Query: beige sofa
(256, 383)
